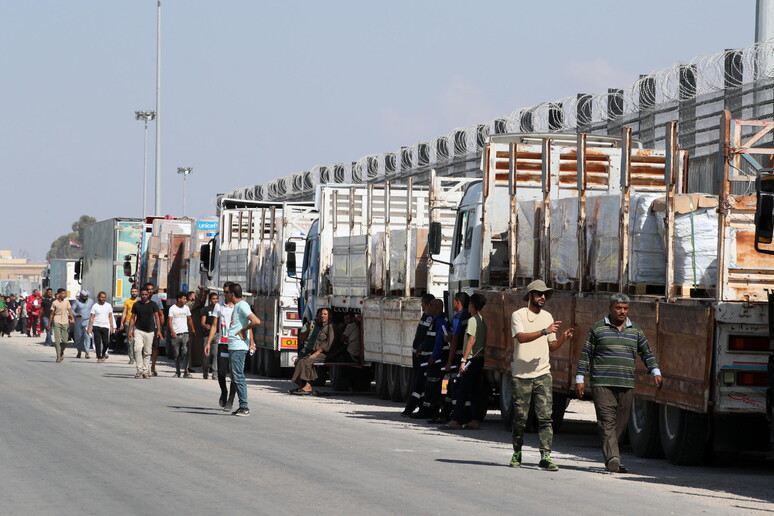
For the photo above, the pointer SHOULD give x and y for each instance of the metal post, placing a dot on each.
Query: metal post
(145, 116)
(185, 171)
(158, 108)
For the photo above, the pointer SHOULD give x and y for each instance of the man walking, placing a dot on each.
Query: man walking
(609, 356)
(534, 337)
(82, 312)
(45, 305)
(144, 328)
(210, 319)
(180, 321)
(61, 317)
(34, 307)
(126, 316)
(242, 320)
(154, 298)
(101, 326)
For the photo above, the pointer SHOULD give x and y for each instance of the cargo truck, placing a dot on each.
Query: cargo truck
(250, 249)
(367, 255)
(60, 273)
(106, 246)
(591, 220)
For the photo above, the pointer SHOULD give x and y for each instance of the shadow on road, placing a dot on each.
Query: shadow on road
(205, 411)
(577, 440)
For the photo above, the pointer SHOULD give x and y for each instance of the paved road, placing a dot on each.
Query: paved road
(87, 438)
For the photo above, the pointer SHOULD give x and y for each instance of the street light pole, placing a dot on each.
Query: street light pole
(158, 108)
(185, 171)
(145, 116)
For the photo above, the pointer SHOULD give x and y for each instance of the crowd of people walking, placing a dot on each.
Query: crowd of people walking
(443, 349)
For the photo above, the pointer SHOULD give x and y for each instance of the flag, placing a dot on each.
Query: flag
(73, 243)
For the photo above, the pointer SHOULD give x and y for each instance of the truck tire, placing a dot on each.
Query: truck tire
(644, 432)
(406, 379)
(683, 435)
(340, 378)
(272, 363)
(380, 377)
(361, 379)
(559, 407)
(393, 381)
(506, 401)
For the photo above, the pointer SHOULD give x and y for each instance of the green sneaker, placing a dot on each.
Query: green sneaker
(515, 460)
(547, 463)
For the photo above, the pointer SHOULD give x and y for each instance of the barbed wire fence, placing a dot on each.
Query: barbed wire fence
(694, 93)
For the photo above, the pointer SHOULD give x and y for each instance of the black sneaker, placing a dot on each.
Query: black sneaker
(241, 411)
(228, 406)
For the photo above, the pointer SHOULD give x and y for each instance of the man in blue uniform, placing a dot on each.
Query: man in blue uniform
(438, 348)
(417, 371)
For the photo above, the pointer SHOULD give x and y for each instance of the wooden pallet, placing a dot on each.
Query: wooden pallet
(646, 289)
(570, 287)
(605, 287)
(693, 291)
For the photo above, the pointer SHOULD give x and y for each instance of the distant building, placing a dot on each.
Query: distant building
(19, 268)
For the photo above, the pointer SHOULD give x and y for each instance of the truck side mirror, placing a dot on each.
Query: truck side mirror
(764, 210)
(78, 269)
(128, 265)
(434, 238)
(204, 258)
(290, 249)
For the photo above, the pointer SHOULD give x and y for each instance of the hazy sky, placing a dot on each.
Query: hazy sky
(253, 90)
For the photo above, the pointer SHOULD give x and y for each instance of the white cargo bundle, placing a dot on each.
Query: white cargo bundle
(696, 238)
(602, 237)
(648, 261)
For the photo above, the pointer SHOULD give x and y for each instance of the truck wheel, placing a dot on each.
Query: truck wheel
(406, 379)
(683, 435)
(644, 430)
(393, 381)
(506, 402)
(340, 379)
(361, 379)
(272, 363)
(559, 407)
(380, 377)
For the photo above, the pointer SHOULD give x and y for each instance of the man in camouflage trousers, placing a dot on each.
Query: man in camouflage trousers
(534, 336)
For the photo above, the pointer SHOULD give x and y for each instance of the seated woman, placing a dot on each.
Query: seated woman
(305, 372)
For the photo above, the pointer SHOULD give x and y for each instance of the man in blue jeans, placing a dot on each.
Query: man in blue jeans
(242, 320)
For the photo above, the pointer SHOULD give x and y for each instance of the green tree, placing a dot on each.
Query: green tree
(61, 248)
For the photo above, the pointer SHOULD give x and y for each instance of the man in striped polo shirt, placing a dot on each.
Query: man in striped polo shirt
(610, 355)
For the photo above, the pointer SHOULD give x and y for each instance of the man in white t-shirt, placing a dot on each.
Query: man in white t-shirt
(101, 326)
(534, 337)
(180, 322)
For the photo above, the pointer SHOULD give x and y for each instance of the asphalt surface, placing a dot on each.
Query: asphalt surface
(82, 437)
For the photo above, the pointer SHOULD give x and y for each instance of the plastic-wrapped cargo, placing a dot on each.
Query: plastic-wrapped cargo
(564, 240)
(696, 238)
(602, 226)
(647, 262)
(526, 212)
